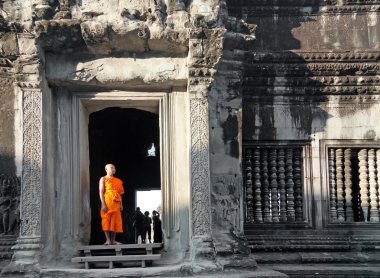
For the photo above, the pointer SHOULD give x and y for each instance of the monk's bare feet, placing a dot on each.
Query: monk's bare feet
(107, 243)
(116, 242)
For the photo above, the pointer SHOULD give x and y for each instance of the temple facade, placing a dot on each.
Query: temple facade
(265, 117)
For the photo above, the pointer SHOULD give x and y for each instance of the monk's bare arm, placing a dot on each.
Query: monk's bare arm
(101, 194)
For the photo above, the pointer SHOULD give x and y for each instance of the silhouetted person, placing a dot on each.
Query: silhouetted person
(147, 221)
(157, 230)
(138, 224)
(128, 234)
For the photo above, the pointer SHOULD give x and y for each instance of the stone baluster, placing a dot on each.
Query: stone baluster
(374, 210)
(339, 184)
(248, 183)
(281, 184)
(289, 186)
(348, 185)
(265, 186)
(363, 183)
(258, 215)
(333, 203)
(273, 184)
(298, 184)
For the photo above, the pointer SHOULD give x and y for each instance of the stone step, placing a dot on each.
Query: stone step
(6, 255)
(148, 246)
(116, 258)
(5, 248)
(112, 259)
(277, 237)
(310, 242)
(329, 271)
(295, 241)
(8, 240)
(297, 247)
(117, 253)
(299, 258)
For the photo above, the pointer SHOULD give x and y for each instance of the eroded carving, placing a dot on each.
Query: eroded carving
(200, 175)
(32, 163)
(51, 9)
(9, 204)
(225, 198)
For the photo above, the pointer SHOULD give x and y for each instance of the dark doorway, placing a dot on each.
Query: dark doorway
(122, 136)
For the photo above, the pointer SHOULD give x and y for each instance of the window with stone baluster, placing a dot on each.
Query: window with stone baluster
(353, 178)
(277, 183)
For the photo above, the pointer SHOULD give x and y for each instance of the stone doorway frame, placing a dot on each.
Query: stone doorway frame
(188, 227)
(83, 104)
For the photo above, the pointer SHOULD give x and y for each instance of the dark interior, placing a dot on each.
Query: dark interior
(122, 136)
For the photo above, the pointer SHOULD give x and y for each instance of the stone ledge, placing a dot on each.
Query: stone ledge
(329, 270)
(298, 258)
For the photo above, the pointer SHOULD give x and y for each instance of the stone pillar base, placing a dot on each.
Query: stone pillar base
(232, 251)
(26, 256)
(238, 261)
(202, 249)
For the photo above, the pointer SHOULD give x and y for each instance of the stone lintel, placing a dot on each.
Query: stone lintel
(132, 71)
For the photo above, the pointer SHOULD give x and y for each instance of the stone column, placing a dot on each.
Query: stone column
(28, 248)
(198, 87)
(200, 178)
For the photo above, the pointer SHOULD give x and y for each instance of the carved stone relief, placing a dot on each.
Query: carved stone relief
(225, 202)
(9, 205)
(32, 163)
(200, 166)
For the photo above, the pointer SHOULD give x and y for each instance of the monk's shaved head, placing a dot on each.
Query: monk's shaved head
(108, 166)
(110, 169)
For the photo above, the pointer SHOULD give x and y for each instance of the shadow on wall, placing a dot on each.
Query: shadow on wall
(279, 103)
(281, 96)
(291, 75)
(7, 165)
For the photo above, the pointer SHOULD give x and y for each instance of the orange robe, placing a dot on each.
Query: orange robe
(111, 220)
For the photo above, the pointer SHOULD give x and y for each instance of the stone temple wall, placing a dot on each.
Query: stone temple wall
(309, 80)
(256, 74)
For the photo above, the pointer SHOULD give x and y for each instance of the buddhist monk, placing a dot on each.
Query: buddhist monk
(110, 191)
